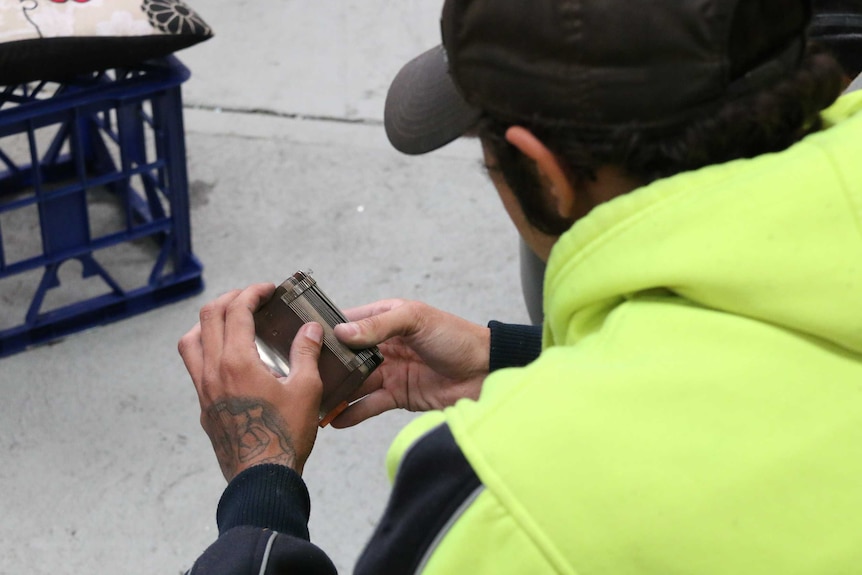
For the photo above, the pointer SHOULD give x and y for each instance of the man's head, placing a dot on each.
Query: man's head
(610, 89)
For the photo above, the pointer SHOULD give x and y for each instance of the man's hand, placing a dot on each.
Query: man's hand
(432, 358)
(250, 415)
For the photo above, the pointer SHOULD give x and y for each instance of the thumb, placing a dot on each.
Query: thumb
(355, 334)
(402, 320)
(304, 355)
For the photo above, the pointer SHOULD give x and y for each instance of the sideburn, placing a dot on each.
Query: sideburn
(522, 177)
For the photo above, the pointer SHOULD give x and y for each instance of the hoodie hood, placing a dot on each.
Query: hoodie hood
(777, 238)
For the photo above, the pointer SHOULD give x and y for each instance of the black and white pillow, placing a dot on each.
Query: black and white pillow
(58, 39)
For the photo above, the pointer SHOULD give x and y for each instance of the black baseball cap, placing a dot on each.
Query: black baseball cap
(594, 65)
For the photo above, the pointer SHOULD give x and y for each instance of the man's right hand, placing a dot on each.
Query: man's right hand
(432, 358)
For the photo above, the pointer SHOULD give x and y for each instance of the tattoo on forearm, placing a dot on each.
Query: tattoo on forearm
(246, 428)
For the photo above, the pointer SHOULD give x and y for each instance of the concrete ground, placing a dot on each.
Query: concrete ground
(107, 469)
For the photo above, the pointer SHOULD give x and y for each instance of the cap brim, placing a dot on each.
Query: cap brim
(424, 110)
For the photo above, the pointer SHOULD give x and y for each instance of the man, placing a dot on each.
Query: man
(696, 404)
(835, 25)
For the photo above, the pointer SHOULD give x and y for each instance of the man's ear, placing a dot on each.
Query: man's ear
(550, 170)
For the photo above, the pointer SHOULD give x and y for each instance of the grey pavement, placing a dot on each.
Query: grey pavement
(106, 467)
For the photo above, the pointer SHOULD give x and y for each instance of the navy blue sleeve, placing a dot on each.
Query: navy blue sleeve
(263, 528)
(433, 486)
(270, 496)
(513, 345)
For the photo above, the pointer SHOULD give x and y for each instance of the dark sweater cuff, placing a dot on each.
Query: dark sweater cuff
(513, 345)
(268, 496)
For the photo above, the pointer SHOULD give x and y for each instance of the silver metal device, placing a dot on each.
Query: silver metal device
(299, 300)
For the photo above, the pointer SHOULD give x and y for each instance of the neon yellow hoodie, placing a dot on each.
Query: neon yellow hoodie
(697, 407)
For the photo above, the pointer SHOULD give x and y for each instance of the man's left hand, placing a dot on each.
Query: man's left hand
(250, 415)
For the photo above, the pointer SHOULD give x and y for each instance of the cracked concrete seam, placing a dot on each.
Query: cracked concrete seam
(287, 115)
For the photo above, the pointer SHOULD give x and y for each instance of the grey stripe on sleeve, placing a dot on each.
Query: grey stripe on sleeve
(266, 552)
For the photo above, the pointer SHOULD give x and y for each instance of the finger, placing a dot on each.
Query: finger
(304, 378)
(368, 310)
(192, 354)
(239, 318)
(212, 327)
(366, 408)
(399, 320)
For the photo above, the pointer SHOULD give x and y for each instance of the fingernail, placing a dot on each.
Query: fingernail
(314, 332)
(348, 329)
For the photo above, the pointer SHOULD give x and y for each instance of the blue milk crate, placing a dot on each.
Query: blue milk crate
(94, 202)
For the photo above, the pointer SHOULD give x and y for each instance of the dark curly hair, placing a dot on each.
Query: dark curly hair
(768, 120)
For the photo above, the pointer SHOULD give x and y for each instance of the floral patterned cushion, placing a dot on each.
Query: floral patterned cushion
(57, 39)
